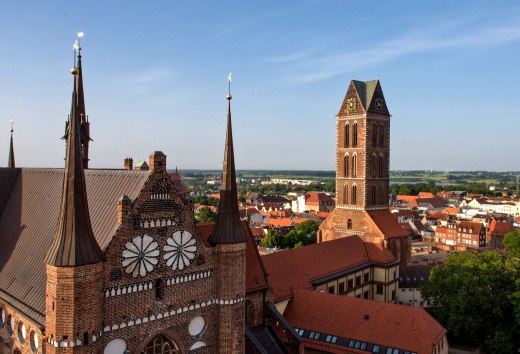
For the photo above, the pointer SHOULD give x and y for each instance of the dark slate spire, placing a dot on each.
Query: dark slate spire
(84, 124)
(10, 162)
(74, 243)
(228, 227)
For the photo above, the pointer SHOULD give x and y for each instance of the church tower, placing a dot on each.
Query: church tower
(362, 172)
(74, 260)
(363, 148)
(229, 239)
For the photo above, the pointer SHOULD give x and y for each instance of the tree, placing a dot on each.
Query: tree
(472, 296)
(205, 215)
(272, 240)
(512, 243)
(302, 235)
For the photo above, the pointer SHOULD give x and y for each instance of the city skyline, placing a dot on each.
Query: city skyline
(155, 79)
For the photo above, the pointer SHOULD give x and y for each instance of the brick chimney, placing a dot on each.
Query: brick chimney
(129, 164)
(157, 162)
(123, 208)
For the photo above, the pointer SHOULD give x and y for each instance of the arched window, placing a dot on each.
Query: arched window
(374, 165)
(374, 134)
(250, 313)
(159, 289)
(345, 194)
(161, 345)
(381, 166)
(349, 224)
(345, 165)
(354, 134)
(354, 194)
(383, 199)
(381, 136)
(374, 195)
(354, 165)
(347, 134)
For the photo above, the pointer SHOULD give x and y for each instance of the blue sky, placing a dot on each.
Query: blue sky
(155, 79)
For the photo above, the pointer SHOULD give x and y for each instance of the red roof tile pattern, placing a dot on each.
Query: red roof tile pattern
(255, 274)
(387, 224)
(318, 198)
(501, 228)
(425, 195)
(389, 325)
(298, 267)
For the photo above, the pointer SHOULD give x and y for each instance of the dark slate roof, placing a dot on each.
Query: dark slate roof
(228, 227)
(413, 276)
(28, 224)
(264, 340)
(365, 91)
(74, 243)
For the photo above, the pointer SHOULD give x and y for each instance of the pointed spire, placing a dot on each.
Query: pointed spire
(74, 243)
(84, 124)
(228, 226)
(11, 162)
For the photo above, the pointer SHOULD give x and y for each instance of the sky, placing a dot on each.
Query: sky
(155, 78)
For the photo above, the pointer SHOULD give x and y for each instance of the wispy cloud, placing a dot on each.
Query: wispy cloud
(137, 83)
(311, 68)
(299, 55)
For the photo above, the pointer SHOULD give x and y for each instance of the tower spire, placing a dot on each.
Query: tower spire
(11, 162)
(74, 243)
(228, 227)
(84, 124)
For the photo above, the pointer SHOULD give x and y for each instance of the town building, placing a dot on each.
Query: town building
(362, 173)
(461, 236)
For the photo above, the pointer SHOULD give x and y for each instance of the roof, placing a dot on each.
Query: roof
(283, 222)
(413, 276)
(435, 202)
(255, 273)
(425, 195)
(28, 223)
(387, 224)
(318, 198)
(498, 227)
(389, 325)
(298, 268)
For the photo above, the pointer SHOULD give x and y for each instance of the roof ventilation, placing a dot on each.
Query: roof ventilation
(366, 317)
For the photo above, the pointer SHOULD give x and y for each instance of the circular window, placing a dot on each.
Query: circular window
(2, 318)
(116, 346)
(197, 326)
(198, 345)
(10, 324)
(34, 341)
(22, 332)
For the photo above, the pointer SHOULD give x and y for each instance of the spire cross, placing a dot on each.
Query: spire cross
(229, 97)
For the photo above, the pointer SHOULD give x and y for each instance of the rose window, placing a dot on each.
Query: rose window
(180, 250)
(140, 256)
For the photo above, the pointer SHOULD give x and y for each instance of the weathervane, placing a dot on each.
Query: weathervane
(12, 121)
(77, 46)
(229, 97)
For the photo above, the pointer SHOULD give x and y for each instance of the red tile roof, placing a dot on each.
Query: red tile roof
(283, 222)
(425, 195)
(387, 224)
(389, 325)
(435, 202)
(298, 267)
(255, 275)
(501, 228)
(318, 198)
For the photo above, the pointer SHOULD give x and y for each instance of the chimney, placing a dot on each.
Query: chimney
(129, 164)
(123, 208)
(157, 162)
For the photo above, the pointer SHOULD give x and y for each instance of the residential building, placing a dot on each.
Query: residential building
(461, 235)
(319, 202)
(411, 278)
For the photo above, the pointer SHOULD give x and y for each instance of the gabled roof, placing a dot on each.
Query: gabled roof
(298, 268)
(498, 227)
(255, 273)
(365, 92)
(318, 198)
(29, 218)
(388, 325)
(387, 224)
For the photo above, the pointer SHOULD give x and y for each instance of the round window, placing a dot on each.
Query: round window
(116, 346)
(34, 342)
(10, 324)
(22, 332)
(198, 345)
(197, 326)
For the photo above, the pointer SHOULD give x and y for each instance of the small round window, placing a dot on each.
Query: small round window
(10, 324)
(197, 326)
(34, 342)
(22, 332)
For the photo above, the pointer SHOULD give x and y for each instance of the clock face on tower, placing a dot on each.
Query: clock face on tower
(351, 104)
(140, 256)
(378, 104)
(180, 250)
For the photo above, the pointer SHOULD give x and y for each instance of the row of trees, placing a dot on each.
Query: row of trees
(414, 189)
(476, 297)
(302, 235)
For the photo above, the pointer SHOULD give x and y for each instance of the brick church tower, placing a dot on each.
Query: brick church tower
(362, 172)
(229, 239)
(74, 260)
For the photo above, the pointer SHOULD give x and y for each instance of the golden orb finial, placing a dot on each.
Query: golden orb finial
(229, 97)
(74, 70)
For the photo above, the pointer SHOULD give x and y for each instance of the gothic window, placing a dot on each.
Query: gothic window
(161, 345)
(382, 195)
(250, 313)
(381, 166)
(374, 134)
(345, 193)
(354, 135)
(345, 165)
(347, 134)
(354, 165)
(374, 195)
(349, 224)
(354, 194)
(381, 136)
(374, 165)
